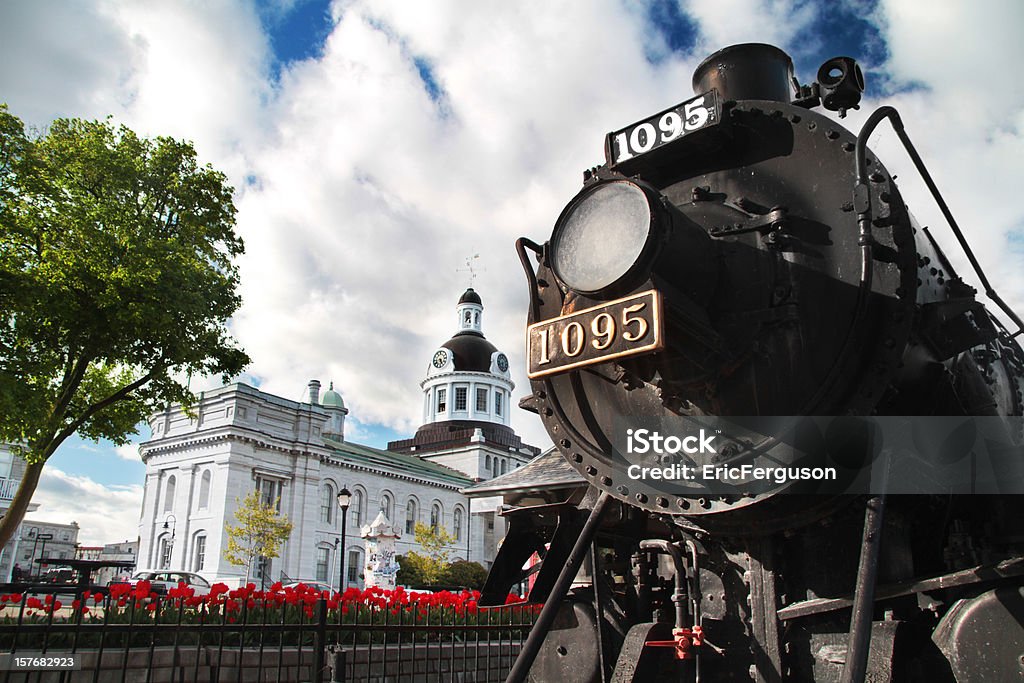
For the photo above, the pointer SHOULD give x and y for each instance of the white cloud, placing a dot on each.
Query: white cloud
(104, 513)
(129, 451)
(366, 195)
(728, 22)
(966, 117)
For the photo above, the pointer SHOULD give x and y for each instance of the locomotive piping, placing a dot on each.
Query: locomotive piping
(897, 125)
(855, 668)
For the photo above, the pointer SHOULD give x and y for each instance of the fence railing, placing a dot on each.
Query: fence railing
(283, 635)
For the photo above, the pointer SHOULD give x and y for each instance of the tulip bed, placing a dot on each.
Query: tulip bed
(137, 616)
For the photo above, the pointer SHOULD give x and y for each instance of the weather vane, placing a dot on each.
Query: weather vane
(470, 269)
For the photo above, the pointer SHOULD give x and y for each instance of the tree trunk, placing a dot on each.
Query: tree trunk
(19, 506)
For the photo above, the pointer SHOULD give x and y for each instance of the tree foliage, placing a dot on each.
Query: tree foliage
(116, 283)
(260, 532)
(428, 566)
(464, 574)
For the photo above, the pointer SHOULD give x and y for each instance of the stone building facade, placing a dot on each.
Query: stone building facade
(238, 439)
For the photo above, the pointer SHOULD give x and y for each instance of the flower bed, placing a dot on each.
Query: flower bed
(137, 616)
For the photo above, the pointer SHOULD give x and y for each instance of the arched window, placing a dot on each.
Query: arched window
(410, 516)
(457, 523)
(387, 505)
(358, 508)
(327, 503)
(164, 547)
(487, 463)
(204, 490)
(503, 465)
(435, 516)
(199, 552)
(169, 494)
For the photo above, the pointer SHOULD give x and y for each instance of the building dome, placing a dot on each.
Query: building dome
(332, 399)
(471, 297)
(468, 379)
(470, 352)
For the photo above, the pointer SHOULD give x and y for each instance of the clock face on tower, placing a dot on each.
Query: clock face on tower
(502, 362)
(440, 358)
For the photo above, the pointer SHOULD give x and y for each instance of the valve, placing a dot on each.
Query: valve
(685, 642)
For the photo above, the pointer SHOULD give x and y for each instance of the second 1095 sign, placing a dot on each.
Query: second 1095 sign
(624, 327)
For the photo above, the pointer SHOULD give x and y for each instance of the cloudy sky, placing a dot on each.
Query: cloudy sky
(376, 146)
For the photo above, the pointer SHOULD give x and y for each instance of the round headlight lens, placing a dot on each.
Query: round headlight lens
(601, 236)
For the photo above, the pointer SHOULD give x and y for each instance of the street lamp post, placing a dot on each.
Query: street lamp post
(344, 500)
(170, 522)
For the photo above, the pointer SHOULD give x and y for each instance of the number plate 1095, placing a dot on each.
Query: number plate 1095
(625, 327)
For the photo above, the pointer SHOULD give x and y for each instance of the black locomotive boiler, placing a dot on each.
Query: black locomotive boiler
(796, 429)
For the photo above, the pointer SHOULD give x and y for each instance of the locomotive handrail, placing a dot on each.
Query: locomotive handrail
(897, 125)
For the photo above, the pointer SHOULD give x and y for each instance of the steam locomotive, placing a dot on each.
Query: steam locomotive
(740, 289)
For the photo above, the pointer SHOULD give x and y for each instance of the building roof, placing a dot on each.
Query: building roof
(470, 297)
(440, 436)
(547, 471)
(396, 463)
(471, 352)
(332, 399)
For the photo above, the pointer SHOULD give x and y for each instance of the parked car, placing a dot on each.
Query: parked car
(163, 581)
(316, 585)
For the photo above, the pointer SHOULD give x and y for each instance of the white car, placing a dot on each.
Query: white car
(162, 581)
(315, 585)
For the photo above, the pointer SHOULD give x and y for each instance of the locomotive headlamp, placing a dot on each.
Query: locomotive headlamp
(603, 236)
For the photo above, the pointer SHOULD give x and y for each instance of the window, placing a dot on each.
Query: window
(327, 503)
(169, 494)
(263, 570)
(441, 397)
(435, 516)
(457, 524)
(497, 403)
(460, 398)
(503, 466)
(487, 463)
(358, 508)
(468, 316)
(270, 492)
(204, 490)
(323, 556)
(481, 400)
(385, 505)
(199, 553)
(354, 565)
(165, 552)
(410, 516)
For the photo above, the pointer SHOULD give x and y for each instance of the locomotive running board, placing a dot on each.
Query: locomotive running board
(986, 573)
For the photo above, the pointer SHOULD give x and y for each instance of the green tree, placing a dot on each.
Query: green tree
(116, 283)
(410, 571)
(431, 563)
(464, 573)
(260, 532)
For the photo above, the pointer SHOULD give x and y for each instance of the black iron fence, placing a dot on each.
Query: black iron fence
(131, 634)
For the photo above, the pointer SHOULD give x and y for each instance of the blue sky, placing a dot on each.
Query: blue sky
(375, 145)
